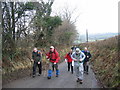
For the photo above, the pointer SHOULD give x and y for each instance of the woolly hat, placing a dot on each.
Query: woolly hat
(51, 47)
(78, 50)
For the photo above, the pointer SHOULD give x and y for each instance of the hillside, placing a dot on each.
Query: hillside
(99, 36)
(104, 60)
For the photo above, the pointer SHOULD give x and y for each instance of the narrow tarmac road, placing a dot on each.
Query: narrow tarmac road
(65, 80)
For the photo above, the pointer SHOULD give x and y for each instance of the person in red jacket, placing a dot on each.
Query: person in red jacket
(53, 57)
(68, 60)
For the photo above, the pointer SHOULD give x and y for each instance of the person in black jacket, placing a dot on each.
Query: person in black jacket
(37, 58)
(86, 60)
(73, 48)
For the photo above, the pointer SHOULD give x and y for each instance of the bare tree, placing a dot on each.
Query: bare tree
(66, 33)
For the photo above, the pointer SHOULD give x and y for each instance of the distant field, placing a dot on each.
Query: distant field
(95, 37)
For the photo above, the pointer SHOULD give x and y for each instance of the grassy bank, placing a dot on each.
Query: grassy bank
(105, 61)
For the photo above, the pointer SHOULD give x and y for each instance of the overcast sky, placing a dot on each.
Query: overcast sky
(98, 16)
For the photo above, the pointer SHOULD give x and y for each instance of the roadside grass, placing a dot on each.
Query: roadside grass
(21, 66)
(105, 61)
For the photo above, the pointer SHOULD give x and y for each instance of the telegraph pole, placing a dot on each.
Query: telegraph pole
(86, 35)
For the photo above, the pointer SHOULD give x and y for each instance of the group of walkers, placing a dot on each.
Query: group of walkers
(79, 60)
(76, 59)
(52, 56)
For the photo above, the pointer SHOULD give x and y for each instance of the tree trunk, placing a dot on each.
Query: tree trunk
(13, 19)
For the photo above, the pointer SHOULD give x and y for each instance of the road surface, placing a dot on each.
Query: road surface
(65, 80)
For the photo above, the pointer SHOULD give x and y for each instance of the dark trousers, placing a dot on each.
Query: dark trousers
(53, 67)
(39, 67)
(86, 66)
(70, 65)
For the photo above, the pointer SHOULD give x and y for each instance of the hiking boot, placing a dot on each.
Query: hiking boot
(78, 80)
(56, 75)
(81, 82)
(72, 72)
(33, 76)
(49, 77)
(39, 74)
(87, 73)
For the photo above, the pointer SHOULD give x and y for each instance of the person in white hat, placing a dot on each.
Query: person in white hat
(78, 58)
(53, 57)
